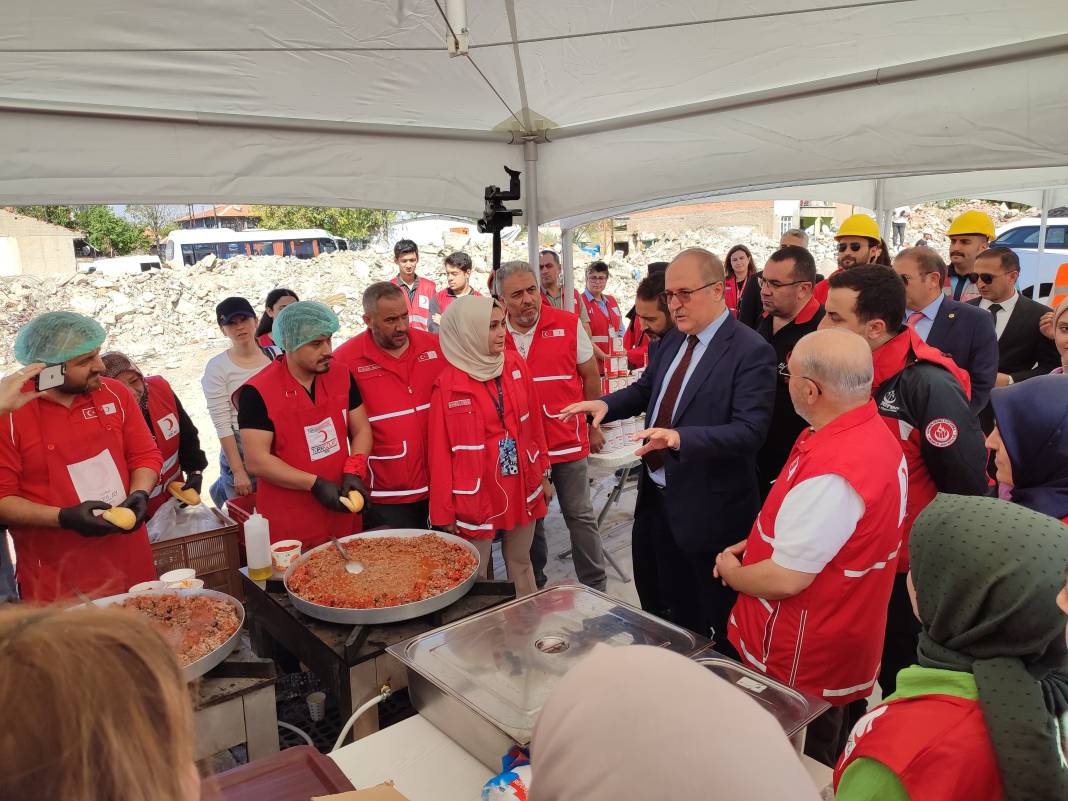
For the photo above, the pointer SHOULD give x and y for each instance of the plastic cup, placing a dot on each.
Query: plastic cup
(316, 706)
(283, 553)
(180, 579)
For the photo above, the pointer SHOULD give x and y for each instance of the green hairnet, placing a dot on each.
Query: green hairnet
(301, 322)
(56, 337)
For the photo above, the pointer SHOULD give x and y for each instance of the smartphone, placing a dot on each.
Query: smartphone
(50, 377)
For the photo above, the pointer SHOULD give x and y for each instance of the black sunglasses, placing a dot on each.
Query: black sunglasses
(854, 246)
(986, 278)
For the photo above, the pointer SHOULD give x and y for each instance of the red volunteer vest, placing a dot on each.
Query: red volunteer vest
(889, 360)
(309, 435)
(551, 360)
(636, 343)
(938, 746)
(575, 309)
(445, 299)
(265, 340)
(602, 327)
(57, 563)
(163, 412)
(466, 485)
(396, 396)
(828, 639)
(419, 303)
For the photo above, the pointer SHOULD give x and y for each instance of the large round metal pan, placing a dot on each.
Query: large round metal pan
(384, 614)
(194, 670)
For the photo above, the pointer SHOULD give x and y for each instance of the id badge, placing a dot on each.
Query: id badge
(508, 457)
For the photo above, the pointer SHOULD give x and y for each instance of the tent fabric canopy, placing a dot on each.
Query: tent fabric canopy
(334, 102)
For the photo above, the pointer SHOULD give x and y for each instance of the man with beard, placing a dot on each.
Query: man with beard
(68, 455)
(395, 367)
(750, 308)
(859, 242)
(969, 235)
(305, 431)
(651, 313)
(176, 436)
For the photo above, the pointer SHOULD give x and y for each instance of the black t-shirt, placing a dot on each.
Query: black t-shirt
(252, 411)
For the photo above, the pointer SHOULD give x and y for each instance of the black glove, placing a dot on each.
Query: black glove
(137, 502)
(350, 482)
(80, 518)
(194, 481)
(328, 494)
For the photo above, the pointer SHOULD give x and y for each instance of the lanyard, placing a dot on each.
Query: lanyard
(498, 403)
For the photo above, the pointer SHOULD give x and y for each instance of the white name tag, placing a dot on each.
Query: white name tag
(457, 403)
(168, 426)
(322, 439)
(553, 332)
(427, 356)
(109, 408)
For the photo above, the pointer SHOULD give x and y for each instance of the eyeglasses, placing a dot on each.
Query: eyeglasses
(854, 246)
(596, 277)
(785, 373)
(763, 282)
(684, 295)
(986, 278)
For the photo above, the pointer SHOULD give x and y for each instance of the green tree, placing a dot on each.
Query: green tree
(155, 220)
(57, 215)
(108, 232)
(346, 223)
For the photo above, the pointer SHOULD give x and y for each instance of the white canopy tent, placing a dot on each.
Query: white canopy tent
(611, 103)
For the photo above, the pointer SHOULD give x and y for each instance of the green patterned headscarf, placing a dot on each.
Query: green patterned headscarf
(987, 573)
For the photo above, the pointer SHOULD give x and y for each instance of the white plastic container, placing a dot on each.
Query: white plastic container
(283, 553)
(180, 579)
(258, 546)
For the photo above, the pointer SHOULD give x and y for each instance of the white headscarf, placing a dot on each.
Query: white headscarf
(464, 337)
(640, 722)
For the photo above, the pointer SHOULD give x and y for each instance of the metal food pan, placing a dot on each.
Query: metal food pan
(194, 670)
(384, 614)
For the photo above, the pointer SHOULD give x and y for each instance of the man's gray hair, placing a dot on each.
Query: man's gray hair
(510, 268)
(797, 233)
(376, 292)
(840, 376)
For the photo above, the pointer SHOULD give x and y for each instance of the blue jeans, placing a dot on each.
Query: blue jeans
(223, 488)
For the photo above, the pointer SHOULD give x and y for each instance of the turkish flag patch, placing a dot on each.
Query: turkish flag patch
(941, 432)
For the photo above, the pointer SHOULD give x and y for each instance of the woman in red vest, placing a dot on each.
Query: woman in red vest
(1030, 443)
(740, 262)
(487, 452)
(176, 436)
(277, 299)
(606, 320)
(978, 719)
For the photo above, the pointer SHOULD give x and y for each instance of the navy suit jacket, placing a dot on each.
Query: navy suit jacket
(723, 414)
(966, 333)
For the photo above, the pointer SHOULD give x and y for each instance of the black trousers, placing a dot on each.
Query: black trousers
(902, 636)
(398, 515)
(826, 736)
(693, 597)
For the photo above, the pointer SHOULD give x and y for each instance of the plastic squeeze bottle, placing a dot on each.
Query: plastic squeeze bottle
(258, 547)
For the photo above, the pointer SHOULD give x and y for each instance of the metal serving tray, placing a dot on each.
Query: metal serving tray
(385, 614)
(194, 670)
(483, 680)
(792, 708)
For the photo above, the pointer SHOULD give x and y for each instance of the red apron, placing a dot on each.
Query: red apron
(309, 435)
(55, 563)
(163, 412)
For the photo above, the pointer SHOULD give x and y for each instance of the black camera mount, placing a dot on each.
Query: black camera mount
(496, 217)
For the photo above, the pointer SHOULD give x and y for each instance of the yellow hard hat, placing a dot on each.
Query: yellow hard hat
(859, 225)
(973, 222)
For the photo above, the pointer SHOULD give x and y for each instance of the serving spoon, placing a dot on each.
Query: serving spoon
(351, 565)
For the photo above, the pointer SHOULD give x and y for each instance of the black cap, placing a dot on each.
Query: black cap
(232, 308)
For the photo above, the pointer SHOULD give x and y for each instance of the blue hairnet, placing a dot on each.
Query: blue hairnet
(301, 322)
(56, 337)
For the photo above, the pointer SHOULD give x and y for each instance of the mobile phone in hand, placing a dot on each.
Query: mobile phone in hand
(50, 377)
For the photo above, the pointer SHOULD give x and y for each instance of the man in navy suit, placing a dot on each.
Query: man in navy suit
(955, 328)
(707, 396)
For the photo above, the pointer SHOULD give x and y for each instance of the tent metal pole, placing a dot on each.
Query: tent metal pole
(530, 208)
(880, 205)
(1046, 202)
(567, 261)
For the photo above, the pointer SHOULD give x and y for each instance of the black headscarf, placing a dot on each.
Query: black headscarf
(987, 574)
(1032, 418)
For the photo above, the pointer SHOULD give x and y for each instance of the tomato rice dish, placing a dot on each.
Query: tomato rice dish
(397, 570)
(193, 625)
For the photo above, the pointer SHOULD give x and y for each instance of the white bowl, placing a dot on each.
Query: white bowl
(148, 586)
(179, 579)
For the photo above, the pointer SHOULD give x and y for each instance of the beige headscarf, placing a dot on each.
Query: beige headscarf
(464, 335)
(639, 722)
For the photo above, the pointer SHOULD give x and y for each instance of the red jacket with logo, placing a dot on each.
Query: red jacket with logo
(636, 344)
(922, 397)
(396, 395)
(603, 327)
(552, 363)
(938, 746)
(828, 639)
(163, 412)
(419, 303)
(466, 485)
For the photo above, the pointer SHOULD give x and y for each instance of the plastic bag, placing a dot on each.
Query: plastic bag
(172, 521)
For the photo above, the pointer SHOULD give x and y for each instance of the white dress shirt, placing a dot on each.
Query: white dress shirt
(1003, 316)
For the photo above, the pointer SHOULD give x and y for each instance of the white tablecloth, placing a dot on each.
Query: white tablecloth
(426, 765)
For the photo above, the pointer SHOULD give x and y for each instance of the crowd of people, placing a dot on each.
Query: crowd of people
(849, 480)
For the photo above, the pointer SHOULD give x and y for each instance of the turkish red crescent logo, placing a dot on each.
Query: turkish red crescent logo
(941, 432)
